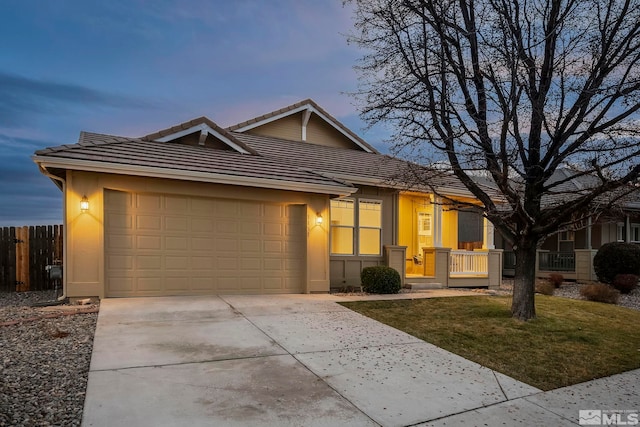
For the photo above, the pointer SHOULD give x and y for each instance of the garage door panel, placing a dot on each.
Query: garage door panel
(120, 284)
(174, 262)
(177, 245)
(145, 242)
(120, 262)
(273, 247)
(176, 204)
(250, 245)
(148, 202)
(202, 225)
(118, 198)
(250, 264)
(202, 263)
(148, 222)
(115, 221)
(120, 241)
(203, 244)
(148, 262)
(273, 229)
(249, 210)
(176, 224)
(149, 284)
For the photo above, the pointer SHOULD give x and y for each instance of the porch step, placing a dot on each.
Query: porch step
(423, 286)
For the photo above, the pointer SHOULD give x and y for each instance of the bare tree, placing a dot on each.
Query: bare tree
(517, 89)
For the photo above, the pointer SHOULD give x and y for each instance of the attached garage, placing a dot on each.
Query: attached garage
(167, 244)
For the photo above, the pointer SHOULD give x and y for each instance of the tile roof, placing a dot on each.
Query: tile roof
(135, 152)
(353, 166)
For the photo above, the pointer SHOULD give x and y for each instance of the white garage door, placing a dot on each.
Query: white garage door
(159, 244)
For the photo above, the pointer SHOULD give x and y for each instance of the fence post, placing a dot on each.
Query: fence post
(22, 259)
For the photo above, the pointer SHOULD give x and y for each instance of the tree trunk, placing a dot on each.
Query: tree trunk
(524, 283)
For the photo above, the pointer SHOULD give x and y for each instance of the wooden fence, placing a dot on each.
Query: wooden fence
(24, 254)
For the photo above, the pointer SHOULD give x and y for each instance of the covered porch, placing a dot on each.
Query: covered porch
(444, 244)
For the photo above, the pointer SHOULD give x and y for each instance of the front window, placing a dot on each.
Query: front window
(347, 227)
(635, 233)
(342, 226)
(370, 226)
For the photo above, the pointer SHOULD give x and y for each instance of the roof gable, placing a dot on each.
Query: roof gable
(207, 132)
(304, 121)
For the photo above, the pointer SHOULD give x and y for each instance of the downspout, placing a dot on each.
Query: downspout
(63, 184)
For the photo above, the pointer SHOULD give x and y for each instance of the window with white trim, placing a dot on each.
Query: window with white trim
(349, 227)
(565, 241)
(635, 233)
(620, 232)
(342, 226)
(370, 227)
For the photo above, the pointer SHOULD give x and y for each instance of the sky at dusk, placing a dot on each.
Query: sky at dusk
(133, 67)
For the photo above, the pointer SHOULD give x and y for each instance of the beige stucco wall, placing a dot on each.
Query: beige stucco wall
(84, 265)
(318, 131)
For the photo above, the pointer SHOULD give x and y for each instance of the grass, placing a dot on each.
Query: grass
(569, 342)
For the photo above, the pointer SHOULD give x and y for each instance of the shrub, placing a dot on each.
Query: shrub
(545, 288)
(625, 283)
(600, 292)
(616, 258)
(380, 280)
(556, 279)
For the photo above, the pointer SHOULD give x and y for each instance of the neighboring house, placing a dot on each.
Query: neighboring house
(570, 252)
(288, 202)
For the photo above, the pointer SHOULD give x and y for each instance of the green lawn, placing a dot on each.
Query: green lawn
(569, 342)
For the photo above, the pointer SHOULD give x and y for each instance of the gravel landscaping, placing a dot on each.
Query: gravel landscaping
(45, 354)
(572, 290)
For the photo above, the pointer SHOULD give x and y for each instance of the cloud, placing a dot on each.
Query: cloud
(27, 197)
(22, 97)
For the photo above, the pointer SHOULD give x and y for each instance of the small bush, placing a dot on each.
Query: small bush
(380, 280)
(616, 258)
(625, 283)
(556, 279)
(600, 292)
(545, 288)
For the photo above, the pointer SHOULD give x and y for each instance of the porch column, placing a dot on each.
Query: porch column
(488, 235)
(627, 229)
(395, 257)
(495, 267)
(437, 222)
(584, 265)
(588, 232)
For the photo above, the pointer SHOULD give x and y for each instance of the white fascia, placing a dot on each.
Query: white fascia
(214, 178)
(202, 127)
(297, 110)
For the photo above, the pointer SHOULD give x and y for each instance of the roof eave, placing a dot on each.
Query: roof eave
(214, 178)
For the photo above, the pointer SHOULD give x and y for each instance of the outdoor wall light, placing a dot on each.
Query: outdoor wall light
(84, 204)
(318, 219)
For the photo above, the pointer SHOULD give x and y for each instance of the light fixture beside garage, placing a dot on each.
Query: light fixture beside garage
(318, 219)
(84, 204)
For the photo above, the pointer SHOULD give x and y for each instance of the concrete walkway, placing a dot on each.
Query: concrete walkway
(303, 360)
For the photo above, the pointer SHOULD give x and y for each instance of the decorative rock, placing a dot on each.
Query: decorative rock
(44, 361)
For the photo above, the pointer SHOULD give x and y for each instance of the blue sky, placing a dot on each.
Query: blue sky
(132, 67)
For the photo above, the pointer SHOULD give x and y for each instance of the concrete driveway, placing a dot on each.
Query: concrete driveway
(292, 360)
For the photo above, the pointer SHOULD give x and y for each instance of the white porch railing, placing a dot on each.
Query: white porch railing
(469, 263)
